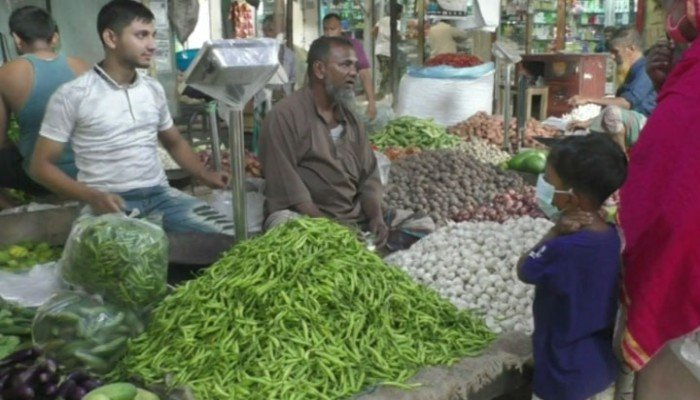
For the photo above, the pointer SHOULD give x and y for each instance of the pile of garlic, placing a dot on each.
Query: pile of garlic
(484, 151)
(473, 264)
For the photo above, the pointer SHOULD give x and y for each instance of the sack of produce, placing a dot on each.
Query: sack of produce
(80, 331)
(448, 101)
(123, 259)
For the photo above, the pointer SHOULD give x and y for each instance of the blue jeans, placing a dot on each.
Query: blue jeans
(180, 212)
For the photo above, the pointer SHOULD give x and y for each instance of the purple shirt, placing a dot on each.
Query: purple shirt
(576, 280)
(362, 61)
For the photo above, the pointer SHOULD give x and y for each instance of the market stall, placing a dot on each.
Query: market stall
(308, 261)
(306, 310)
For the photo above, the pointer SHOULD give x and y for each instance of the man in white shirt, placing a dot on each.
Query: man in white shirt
(113, 117)
(382, 47)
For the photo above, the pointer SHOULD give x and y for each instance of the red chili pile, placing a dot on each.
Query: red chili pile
(457, 60)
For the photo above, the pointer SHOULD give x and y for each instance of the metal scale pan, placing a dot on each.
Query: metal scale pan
(233, 71)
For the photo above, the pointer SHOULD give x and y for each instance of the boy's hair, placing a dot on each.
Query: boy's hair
(321, 47)
(332, 16)
(593, 165)
(32, 23)
(118, 14)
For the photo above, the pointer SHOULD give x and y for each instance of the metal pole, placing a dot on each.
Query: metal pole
(506, 110)
(289, 25)
(214, 131)
(394, 50)
(238, 174)
(420, 5)
(522, 118)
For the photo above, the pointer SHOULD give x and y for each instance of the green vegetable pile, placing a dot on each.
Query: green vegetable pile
(411, 131)
(123, 259)
(13, 130)
(84, 333)
(15, 327)
(26, 255)
(303, 312)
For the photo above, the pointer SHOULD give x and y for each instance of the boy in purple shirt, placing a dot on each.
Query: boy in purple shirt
(576, 270)
(332, 27)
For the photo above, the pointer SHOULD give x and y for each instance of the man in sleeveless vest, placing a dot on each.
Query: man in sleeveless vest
(26, 84)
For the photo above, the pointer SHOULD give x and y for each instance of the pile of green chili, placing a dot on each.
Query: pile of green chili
(303, 312)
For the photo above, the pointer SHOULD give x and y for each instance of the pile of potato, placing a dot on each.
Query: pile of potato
(442, 183)
(490, 128)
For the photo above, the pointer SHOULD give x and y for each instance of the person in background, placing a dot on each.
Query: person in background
(382, 47)
(576, 271)
(603, 45)
(286, 56)
(624, 115)
(114, 117)
(332, 27)
(659, 217)
(26, 84)
(443, 38)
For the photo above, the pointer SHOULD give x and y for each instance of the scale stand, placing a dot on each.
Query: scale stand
(232, 71)
(507, 57)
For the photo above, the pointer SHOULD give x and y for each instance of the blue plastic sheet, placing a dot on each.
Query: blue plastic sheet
(449, 72)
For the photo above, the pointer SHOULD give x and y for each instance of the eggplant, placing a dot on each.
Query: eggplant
(66, 387)
(76, 394)
(79, 376)
(23, 378)
(51, 365)
(4, 378)
(50, 392)
(21, 356)
(23, 392)
(91, 384)
(43, 377)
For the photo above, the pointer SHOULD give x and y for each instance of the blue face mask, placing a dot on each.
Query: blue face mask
(545, 196)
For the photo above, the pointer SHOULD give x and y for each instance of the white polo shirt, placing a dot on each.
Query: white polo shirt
(113, 129)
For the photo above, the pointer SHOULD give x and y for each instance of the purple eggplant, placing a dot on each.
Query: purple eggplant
(23, 392)
(79, 376)
(50, 392)
(50, 365)
(23, 378)
(21, 356)
(66, 387)
(43, 377)
(76, 394)
(91, 384)
(4, 377)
